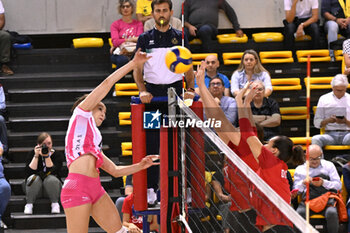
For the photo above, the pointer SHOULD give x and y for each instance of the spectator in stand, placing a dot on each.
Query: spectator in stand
(156, 78)
(266, 112)
(301, 18)
(202, 17)
(333, 114)
(212, 72)
(135, 223)
(227, 104)
(346, 54)
(250, 69)
(3, 128)
(346, 177)
(5, 44)
(174, 22)
(143, 10)
(323, 178)
(5, 191)
(219, 180)
(43, 168)
(336, 13)
(128, 189)
(124, 34)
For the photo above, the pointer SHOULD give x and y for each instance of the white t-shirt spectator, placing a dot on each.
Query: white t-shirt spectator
(2, 10)
(304, 8)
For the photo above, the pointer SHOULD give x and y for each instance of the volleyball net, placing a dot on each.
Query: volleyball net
(198, 164)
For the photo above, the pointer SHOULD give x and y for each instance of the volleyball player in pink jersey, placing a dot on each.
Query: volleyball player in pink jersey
(82, 195)
(271, 157)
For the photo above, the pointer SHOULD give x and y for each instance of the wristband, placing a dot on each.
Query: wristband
(45, 157)
(36, 156)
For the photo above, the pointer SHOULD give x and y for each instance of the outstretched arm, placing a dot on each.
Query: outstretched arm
(227, 132)
(245, 111)
(119, 171)
(103, 88)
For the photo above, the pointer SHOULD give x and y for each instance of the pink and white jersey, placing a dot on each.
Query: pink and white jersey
(83, 137)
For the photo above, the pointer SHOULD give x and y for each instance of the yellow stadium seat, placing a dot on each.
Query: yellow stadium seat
(124, 118)
(196, 41)
(267, 37)
(198, 57)
(292, 171)
(126, 89)
(344, 192)
(337, 147)
(87, 42)
(126, 148)
(111, 45)
(231, 38)
(303, 38)
(232, 58)
(285, 84)
(300, 141)
(338, 54)
(276, 57)
(317, 55)
(293, 113)
(320, 82)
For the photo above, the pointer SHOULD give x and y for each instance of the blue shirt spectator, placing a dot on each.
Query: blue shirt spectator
(212, 72)
(5, 189)
(227, 104)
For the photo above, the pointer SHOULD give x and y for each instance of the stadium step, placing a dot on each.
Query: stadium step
(61, 108)
(58, 60)
(17, 189)
(47, 94)
(56, 80)
(41, 213)
(21, 141)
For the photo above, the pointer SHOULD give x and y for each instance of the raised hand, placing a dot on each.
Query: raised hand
(249, 97)
(240, 94)
(200, 73)
(140, 58)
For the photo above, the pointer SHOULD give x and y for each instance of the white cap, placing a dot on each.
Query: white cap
(340, 80)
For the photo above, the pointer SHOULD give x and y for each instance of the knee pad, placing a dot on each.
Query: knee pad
(123, 230)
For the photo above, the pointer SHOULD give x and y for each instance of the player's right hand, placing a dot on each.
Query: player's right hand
(145, 97)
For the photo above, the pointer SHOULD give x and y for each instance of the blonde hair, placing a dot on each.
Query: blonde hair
(258, 68)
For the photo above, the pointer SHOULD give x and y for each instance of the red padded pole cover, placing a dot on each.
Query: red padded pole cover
(164, 168)
(139, 152)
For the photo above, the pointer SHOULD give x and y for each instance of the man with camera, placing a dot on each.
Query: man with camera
(333, 114)
(43, 167)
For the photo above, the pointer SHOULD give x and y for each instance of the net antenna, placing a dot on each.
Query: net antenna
(270, 194)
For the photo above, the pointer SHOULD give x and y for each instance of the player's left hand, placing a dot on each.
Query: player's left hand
(148, 161)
